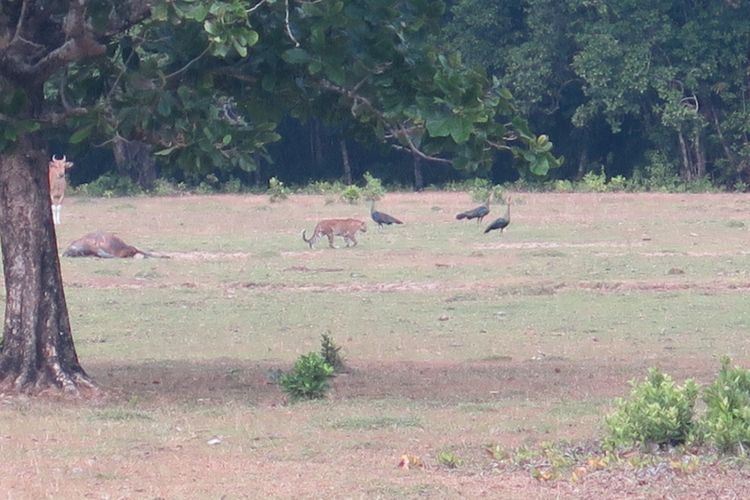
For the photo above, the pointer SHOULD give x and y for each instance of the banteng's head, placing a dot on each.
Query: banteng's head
(58, 167)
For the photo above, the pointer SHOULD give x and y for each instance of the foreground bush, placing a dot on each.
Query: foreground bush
(727, 421)
(659, 412)
(308, 379)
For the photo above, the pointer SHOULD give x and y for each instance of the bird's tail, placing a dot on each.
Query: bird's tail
(489, 228)
(460, 216)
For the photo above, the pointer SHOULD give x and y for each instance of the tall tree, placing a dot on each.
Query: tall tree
(205, 84)
(39, 40)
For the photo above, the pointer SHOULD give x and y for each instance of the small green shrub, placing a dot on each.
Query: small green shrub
(164, 187)
(480, 190)
(323, 187)
(233, 186)
(658, 413)
(277, 190)
(562, 186)
(617, 183)
(373, 189)
(449, 459)
(660, 172)
(308, 379)
(107, 186)
(726, 423)
(331, 353)
(595, 183)
(351, 194)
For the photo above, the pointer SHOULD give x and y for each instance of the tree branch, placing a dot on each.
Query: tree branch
(286, 24)
(256, 6)
(189, 63)
(396, 131)
(19, 24)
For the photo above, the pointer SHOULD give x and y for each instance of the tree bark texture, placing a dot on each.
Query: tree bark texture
(418, 178)
(134, 160)
(345, 161)
(37, 354)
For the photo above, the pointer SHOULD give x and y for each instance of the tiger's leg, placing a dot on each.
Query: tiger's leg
(330, 240)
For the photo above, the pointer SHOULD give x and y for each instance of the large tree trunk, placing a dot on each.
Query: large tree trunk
(345, 161)
(134, 160)
(418, 178)
(37, 354)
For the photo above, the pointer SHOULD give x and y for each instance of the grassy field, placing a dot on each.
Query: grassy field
(457, 341)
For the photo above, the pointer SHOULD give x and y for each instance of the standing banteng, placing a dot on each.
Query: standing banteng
(57, 184)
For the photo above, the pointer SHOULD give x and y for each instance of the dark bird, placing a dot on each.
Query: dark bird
(501, 222)
(477, 213)
(382, 218)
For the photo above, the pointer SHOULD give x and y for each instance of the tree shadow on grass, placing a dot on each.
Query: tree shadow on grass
(253, 383)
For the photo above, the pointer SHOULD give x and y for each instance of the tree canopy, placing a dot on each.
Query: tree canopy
(207, 84)
(632, 86)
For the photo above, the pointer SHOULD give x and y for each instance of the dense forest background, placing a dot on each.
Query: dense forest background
(654, 91)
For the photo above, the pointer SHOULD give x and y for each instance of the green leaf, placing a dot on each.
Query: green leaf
(440, 126)
(296, 56)
(461, 130)
(80, 134)
(164, 107)
(165, 152)
(239, 47)
(197, 12)
(211, 27)
(251, 37)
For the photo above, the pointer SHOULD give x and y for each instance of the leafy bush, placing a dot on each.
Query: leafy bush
(163, 187)
(562, 186)
(373, 189)
(449, 459)
(617, 183)
(308, 379)
(277, 190)
(233, 186)
(480, 190)
(331, 353)
(595, 183)
(660, 172)
(107, 186)
(658, 413)
(727, 420)
(323, 187)
(351, 194)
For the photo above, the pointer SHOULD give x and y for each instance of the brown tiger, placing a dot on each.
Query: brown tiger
(336, 227)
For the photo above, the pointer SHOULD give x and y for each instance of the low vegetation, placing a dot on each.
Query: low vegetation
(661, 413)
(372, 188)
(309, 379)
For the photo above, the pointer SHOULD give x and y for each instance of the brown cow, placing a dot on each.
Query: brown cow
(57, 184)
(106, 246)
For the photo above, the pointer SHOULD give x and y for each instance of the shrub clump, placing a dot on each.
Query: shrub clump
(727, 420)
(331, 353)
(659, 412)
(308, 379)
(277, 191)
(373, 189)
(351, 194)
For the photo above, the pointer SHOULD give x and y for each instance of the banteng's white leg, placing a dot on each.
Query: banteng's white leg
(56, 209)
